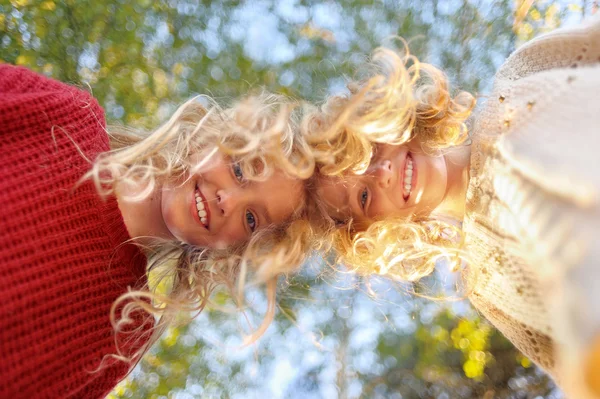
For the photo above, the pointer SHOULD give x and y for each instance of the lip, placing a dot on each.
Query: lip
(194, 209)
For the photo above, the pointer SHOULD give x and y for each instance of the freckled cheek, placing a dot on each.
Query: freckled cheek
(436, 179)
(229, 234)
(384, 208)
(169, 209)
(424, 184)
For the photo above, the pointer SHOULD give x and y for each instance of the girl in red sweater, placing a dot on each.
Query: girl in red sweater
(209, 195)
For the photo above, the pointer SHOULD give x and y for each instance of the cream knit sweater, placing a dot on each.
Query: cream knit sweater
(532, 224)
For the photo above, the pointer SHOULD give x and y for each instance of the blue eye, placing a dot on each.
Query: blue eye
(338, 222)
(363, 198)
(251, 221)
(237, 172)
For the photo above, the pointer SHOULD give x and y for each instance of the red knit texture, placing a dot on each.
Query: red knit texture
(63, 260)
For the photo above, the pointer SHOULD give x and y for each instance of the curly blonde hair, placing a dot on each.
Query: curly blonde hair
(401, 99)
(260, 132)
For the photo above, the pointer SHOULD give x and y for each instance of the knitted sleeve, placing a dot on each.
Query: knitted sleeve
(20, 81)
(30, 99)
(571, 47)
(64, 252)
(533, 203)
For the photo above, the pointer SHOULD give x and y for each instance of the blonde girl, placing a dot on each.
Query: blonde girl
(514, 203)
(211, 198)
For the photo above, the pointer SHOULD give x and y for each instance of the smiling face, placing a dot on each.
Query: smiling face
(401, 181)
(218, 207)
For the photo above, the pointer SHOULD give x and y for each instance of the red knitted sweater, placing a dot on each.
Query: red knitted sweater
(62, 258)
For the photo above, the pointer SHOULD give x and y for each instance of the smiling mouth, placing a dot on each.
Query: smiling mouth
(202, 208)
(409, 177)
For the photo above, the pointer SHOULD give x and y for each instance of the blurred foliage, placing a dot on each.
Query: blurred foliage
(142, 57)
(331, 339)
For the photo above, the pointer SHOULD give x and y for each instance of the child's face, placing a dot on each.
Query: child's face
(218, 207)
(401, 181)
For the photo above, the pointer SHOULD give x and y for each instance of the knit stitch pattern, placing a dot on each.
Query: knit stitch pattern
(532, 218)
(63, 253)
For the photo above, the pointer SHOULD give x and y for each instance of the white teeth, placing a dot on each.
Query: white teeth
(408, 173)
(200, 207)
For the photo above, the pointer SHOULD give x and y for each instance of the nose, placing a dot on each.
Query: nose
(228, 201)
(382, 172)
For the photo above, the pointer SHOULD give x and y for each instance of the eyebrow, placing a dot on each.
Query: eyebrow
(346, 197)
(262, 210)
(265, 212)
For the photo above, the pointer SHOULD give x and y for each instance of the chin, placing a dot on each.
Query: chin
(178, 234)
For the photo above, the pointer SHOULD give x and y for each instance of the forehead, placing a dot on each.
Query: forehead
(336, 192)
(282, 195)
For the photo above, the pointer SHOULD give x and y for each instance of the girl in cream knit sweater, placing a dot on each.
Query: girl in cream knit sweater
(522, 188)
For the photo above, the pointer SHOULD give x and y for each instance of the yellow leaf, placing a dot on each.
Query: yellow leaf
(473, 369)
(522, 8)
(152, 360)
(311, 31)
(574, 7)
(151, 107)
(171, 338)
(21, 60)
(41, 29)
(177, 68)
(48, 5)
(19, 3)
(525, 362)
(550, 17)
(119, 390)
(103, 72)
(110, 58)
(160, 83)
